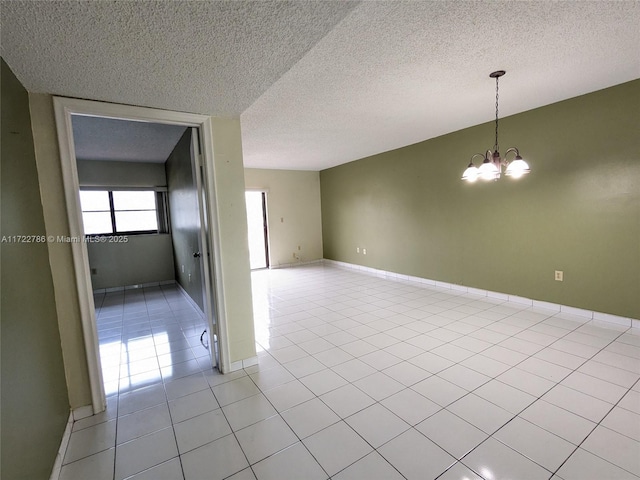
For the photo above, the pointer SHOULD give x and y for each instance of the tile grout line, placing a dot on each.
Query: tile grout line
(532, 355)
(175, 438)
(540, 398)
(362, 293)
(279, 414)
(173, 314)
(597, 424)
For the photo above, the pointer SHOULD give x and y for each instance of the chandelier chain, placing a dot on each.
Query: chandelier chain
(495, 146)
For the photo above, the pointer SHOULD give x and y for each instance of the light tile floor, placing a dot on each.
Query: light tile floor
(361, 378)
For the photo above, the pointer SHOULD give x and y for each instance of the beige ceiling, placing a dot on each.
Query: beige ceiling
(320, 83)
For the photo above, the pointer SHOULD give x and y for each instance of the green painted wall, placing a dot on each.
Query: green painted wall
(184, 215)
(101, 173)
(35, 403)
(578, 211)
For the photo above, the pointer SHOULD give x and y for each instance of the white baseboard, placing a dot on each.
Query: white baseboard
(240, 364)
(191, 301)
(587, 315)
(295, 264)
(133, 287)
(82, 412)
(57, 465)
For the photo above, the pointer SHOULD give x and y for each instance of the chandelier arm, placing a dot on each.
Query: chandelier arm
(478, 155)
(512, 149)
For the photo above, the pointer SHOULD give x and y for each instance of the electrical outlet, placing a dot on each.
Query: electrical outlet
(364, 251)
(559, 276)
(357, 249)
(189, 278)
(182, 268)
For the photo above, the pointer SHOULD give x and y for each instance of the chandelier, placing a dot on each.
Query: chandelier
(492, 163)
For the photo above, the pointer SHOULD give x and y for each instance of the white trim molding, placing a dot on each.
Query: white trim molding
(296, 264)
(579, 313)
(190, 300)
(82, 412)
(246, 363)
(64, 443)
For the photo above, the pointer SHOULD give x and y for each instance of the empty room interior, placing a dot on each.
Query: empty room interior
(299, 240)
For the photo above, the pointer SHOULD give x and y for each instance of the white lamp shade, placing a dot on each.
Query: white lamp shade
(517, 168)
(488, 171)
(470, 174)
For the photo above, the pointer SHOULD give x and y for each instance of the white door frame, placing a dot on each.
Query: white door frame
(64, 109)
(208, 301)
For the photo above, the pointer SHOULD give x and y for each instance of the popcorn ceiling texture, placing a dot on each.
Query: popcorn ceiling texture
(200, 57)
(322, 83)
(395, 73)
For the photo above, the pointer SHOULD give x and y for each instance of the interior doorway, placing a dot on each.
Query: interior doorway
(257, 229)
(144, 210)
(209, 252)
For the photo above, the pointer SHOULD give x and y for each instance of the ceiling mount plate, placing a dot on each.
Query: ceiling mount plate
(497, 74)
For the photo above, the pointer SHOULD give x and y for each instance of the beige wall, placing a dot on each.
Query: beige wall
(60, 256)
(141, 259)
(234, 245)
(294, 215)
(578, 211)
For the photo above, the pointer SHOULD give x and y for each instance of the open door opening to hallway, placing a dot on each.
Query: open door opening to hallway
(199, 171)
(144, 210)
(257, 229)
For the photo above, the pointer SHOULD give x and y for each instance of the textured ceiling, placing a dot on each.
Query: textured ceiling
(111, 139)
(322, 83)
(396, 73)
(212, 57)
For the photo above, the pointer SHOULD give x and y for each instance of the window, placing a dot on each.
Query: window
(113, 212)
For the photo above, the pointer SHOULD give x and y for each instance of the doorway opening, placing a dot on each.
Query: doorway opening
(139, 194)
(207, 250)
(257, 229)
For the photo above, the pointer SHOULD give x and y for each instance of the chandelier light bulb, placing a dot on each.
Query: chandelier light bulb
(471, 173)
(517, 168)
(488, 171)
